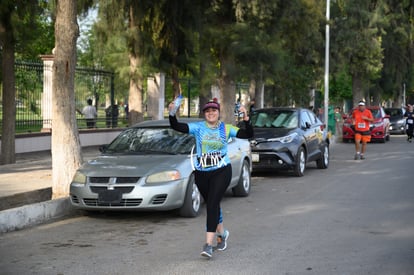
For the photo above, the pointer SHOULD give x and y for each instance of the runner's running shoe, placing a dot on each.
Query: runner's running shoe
(222, 240)
(207, 251)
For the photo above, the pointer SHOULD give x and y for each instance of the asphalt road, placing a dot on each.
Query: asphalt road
(356, 217)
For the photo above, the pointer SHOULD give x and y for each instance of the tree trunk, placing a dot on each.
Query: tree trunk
(7, 155)
(357, 89)
(205, 81)
(176, 82)
(136, 113)
(227, 92)
(66, 156)
(135, 91)
(252, 91)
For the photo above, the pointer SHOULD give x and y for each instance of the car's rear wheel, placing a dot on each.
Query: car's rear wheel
(192, 200)
(323, 162)
(242, 189)
(300, 164)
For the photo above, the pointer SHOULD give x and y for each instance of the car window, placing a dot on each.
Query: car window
(304, 117)
(394, 112)
(275, 119)
(376, 113)
(313, 117)
(151, 140)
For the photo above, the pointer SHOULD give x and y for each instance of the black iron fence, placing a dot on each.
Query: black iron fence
(31, 104)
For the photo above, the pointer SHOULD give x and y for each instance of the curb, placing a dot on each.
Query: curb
(33, 214)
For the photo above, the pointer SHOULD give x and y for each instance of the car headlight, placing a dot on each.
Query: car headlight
(79, 177)
(285, 139)
(164, 176)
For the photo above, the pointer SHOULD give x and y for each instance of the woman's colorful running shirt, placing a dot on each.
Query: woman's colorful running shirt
(211, 144)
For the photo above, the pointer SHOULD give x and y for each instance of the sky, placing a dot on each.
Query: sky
(85, 24)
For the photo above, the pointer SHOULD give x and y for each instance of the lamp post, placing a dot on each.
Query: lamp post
(326, 97)
(403, 99)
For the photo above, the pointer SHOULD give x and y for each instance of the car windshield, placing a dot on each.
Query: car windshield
(151, 141)
(275, 119)
(376, 113)
(394, 112)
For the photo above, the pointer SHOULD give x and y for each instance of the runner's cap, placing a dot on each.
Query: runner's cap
(212, 104)
(361, 103)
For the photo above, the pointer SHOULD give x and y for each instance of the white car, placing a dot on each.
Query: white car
(149, 167)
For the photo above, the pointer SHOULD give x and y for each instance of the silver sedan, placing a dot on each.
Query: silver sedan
(150, 167)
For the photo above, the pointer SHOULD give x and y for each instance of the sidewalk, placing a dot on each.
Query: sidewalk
(26, 189)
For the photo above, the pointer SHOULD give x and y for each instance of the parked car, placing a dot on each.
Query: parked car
(379, 128)
(149, 167)
(397, 120)
(288, 138)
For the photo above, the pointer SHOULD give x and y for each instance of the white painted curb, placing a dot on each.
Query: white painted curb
(32, 214)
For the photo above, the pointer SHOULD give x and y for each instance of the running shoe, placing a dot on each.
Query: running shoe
(356, 156)
(361, 157)
(222, 240)
(207, 251)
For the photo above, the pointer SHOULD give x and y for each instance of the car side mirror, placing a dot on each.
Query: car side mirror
(103, 148)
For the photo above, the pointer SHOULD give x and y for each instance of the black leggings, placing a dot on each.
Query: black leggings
(212, 186)
(409, 131)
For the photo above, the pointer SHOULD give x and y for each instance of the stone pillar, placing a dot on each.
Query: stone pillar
(156, 96)
(47, 92)
(186, 102)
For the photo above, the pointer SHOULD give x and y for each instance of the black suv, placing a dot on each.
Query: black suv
(288, 138)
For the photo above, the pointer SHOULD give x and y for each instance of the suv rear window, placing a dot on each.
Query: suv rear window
(394, 112)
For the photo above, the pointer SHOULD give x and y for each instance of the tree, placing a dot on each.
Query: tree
(123, 24)
(66, 156)
(356, 42)
(398, 44)
(17, 25)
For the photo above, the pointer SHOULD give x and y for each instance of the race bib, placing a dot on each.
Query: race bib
(410, 121)
(361, 125)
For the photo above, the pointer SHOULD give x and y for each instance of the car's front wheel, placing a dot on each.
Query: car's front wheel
(242, 189)
(300, 164)
(323, 162)
(192, 200)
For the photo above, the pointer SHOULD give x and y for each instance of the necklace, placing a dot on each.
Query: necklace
(214, 126)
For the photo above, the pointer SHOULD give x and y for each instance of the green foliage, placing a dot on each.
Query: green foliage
(357, 29)
(340, 86)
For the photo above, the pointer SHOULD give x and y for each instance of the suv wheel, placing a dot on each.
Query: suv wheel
(323, 162)
(300, 163)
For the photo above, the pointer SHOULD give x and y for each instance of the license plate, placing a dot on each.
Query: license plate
(109, 196)
(255, 157)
